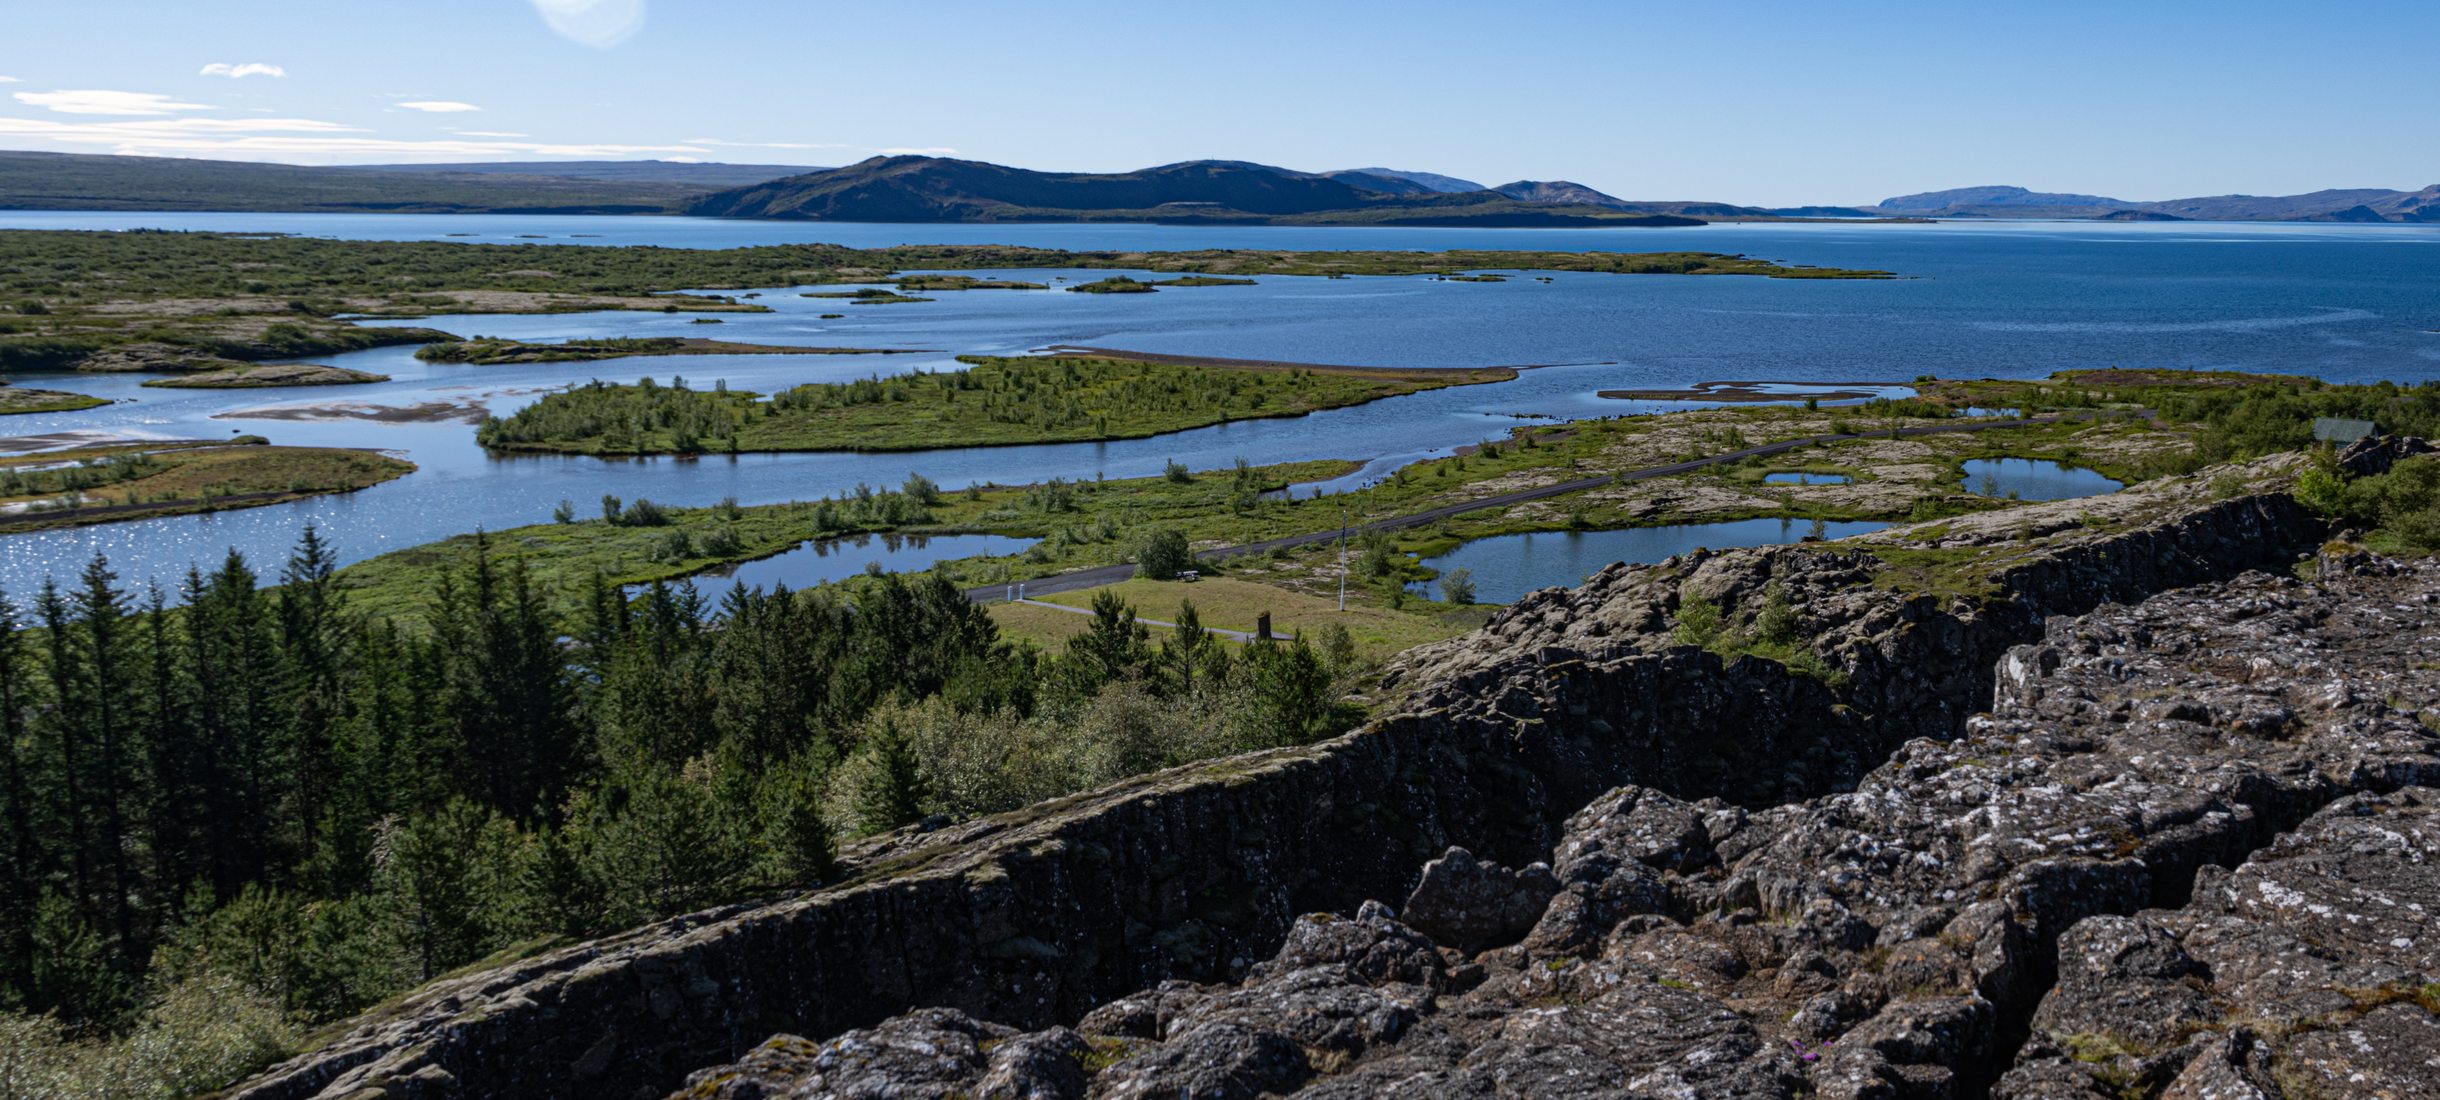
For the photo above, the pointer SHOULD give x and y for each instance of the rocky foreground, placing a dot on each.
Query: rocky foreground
(1580, 857)
(2192, 851)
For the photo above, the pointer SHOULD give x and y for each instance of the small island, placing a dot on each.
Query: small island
(17, 400)
(924, 283)
(994, 402)
(487, 352)
(245, 376)
(1115, 284)
(106, 482)
(869, 296)
(1121, 284)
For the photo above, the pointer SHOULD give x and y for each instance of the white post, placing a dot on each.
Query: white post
(1342, 559)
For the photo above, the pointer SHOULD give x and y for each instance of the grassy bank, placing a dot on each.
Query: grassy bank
(1077, 523)
(995, 401)
(141, 481)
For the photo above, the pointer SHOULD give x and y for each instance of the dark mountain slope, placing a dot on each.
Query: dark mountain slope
(1399, 181)
(78, 181)
(935, 189)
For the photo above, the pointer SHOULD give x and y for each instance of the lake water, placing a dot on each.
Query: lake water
(821, 561)
(2033, 479)
(1508, 566)
(2349, 303)
(1800, 477)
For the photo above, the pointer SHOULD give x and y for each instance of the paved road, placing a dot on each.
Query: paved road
(1112, 574)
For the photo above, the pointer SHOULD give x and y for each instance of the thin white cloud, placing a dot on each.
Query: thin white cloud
(96, 102)
(766, 144)
(295, 139)
(10, 80)
(935, 151)
(600, 24)
(239, 72)
(43, 127)
(489, 133)
(439, 106)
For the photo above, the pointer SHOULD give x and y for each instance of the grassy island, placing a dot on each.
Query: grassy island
(14, 399)
(913, 284)
(110, 482)
(245, 376)
(487, 352)
(994, 402)
(869, 296)
(1115, 284)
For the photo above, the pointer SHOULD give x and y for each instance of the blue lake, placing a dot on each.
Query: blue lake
(1800, 477)
(2033, 479)
(821, 561)
(2348, 303)
(1508, 566)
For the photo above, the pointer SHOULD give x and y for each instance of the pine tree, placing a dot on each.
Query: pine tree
(20, 846)
(889, 789)
(312, 643)
(99, 716)
(794, 841)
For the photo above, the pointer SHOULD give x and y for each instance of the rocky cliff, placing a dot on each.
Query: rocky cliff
(1763, 831)
(2062, 872)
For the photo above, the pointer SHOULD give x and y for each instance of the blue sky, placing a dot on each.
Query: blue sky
(1740, 102)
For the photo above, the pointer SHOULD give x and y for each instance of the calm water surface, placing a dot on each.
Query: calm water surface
(2348, 303)
(821, 561)
(2034, 479)
(1508, 566)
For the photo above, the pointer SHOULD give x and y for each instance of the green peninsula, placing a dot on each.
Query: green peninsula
(994, 402)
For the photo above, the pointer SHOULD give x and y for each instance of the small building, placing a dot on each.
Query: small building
(2331, 429)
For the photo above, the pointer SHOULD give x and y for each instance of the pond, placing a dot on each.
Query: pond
(1508, 566)
(2034, 479)
(819, 561)
(1803, 477)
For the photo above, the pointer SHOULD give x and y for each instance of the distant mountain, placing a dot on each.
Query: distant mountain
(705, 176)
(1398, 181)
(85, 181)
(938, 189)
(2360, 205)
(2353, 205)
(2002, 201)
(1559, 191)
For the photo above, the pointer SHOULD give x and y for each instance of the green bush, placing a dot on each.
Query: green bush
(1164, 555)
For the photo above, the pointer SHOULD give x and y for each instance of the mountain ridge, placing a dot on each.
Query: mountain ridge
(2329, 205)
(931, 189)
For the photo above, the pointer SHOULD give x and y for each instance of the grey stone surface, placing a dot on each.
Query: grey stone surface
(2039, 908)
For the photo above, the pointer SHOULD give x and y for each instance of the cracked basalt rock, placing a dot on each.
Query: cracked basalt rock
(1706, 876)
(1467, 903)
(2309, 970)
(1894, 941)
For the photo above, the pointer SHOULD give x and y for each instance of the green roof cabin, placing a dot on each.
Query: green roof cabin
(2330, 429)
